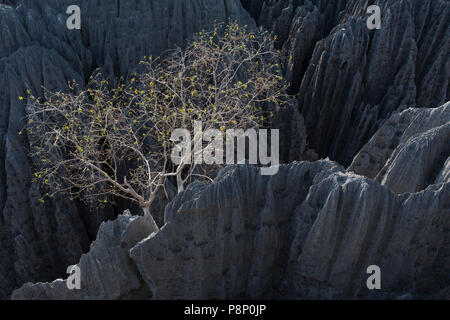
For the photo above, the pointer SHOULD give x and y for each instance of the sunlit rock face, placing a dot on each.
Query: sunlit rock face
(373, 101)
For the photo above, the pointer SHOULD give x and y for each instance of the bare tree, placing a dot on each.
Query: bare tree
(102, 142)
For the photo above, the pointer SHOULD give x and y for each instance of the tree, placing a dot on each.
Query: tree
(101, 142)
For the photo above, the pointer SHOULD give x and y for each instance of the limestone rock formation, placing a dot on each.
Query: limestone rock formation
(410, 151)
(310, 231)
(229, 239)
(373, 100)
(37, 241)
(107, 272)
(349, 79)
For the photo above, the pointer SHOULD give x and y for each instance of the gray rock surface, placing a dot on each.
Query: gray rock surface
(229, 239)
(360, 223)
(107, 272)
(349, 79)
(37, 241)
(410, 151)
(310, 231)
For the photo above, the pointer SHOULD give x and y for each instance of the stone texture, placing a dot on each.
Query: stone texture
(107, 272)
(38, 241)
(229, 239)
(349, 79)
(310, 231)
(410, 151)
(360, 223)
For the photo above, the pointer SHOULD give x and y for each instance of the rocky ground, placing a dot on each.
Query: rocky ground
(373, 103)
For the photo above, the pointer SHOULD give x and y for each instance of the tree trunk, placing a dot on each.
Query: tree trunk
(180, 183)
(149, 216)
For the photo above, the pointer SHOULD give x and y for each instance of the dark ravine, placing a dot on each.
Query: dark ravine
(375, 102)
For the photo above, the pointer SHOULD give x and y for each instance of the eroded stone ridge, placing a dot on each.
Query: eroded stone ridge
(410, 151)
(107, 272)
(310, 231)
